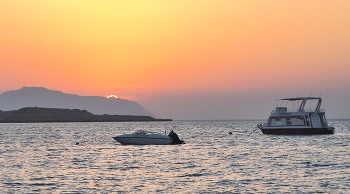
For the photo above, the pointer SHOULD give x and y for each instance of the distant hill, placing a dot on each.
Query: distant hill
(37, 114)
(42, 97)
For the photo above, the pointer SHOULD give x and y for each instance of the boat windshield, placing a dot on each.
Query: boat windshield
(142, 133)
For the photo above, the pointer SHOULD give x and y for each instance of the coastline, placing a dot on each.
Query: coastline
(39, 115)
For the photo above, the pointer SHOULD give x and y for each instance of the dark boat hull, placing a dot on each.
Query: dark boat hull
(298, 131)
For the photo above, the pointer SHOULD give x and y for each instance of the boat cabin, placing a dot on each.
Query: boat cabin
(297, 115)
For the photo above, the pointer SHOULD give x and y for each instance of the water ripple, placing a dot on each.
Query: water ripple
(44, 158)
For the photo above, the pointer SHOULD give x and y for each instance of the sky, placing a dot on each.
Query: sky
(182, 59)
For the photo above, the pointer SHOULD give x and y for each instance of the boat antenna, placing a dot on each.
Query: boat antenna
(310, 93)
(320, 94)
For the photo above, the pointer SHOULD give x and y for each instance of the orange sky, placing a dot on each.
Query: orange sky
(145, 49)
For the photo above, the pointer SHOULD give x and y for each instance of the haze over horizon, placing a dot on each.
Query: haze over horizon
(183, 60)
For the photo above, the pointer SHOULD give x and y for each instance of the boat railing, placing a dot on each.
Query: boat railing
(304, 110)
(313, 110)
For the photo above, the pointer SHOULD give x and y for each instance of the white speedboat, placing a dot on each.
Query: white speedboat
(141, 137)
(297, 120)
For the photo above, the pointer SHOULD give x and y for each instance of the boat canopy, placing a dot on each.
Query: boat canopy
(304, 100)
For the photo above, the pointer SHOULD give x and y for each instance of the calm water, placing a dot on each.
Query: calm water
(43, 158)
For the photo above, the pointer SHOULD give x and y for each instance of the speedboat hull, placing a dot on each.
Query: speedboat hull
(125, 140)
(297, 131)
(141, 137)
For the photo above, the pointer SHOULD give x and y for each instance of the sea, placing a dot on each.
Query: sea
(84, 158)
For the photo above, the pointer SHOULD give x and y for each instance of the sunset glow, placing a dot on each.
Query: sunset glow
(163, 49)
(112, 96)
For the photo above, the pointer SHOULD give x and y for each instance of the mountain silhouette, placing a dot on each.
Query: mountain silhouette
(42, 97)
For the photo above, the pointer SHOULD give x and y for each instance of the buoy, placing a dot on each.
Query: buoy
(230, 133)
(77, 143)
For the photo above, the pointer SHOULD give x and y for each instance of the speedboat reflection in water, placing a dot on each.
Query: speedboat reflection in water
(141, 137)
(298, 120)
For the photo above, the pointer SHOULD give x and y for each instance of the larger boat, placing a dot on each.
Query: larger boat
(298, 120)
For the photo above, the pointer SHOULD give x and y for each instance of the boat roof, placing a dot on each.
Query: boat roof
(304, 100)
(299, 98)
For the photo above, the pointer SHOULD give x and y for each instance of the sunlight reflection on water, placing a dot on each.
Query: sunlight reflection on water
(44, 158)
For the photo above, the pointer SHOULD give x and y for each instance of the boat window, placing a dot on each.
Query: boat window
(300, 121)
(278, 122)
(289, 121)
(269, 122)
(307, 120)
